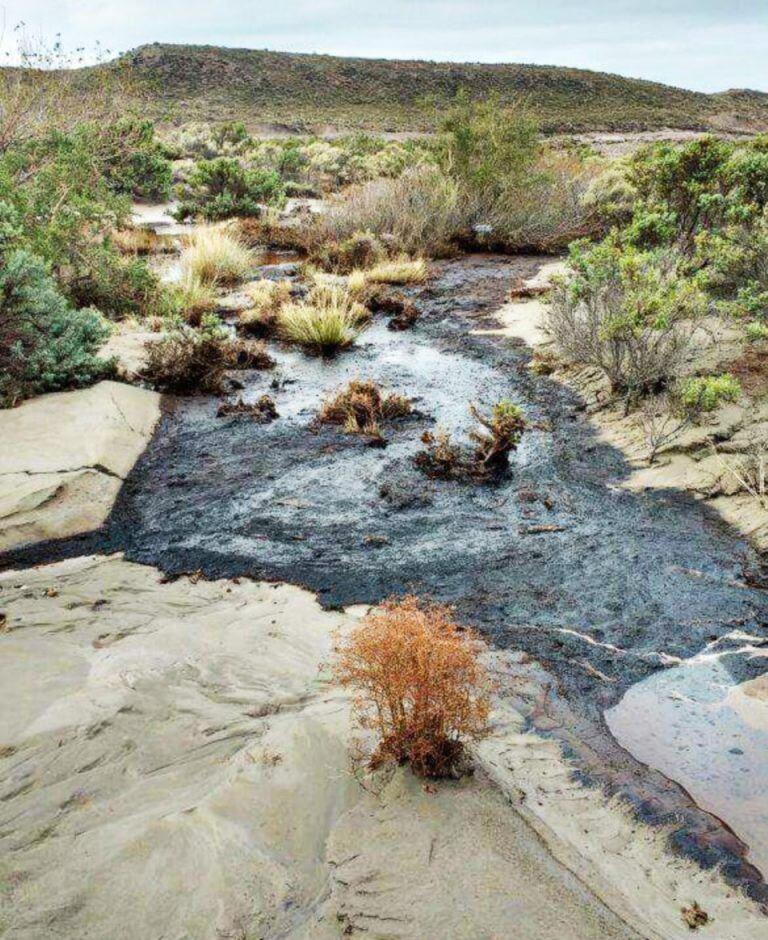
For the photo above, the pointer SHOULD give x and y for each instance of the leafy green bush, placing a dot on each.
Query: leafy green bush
(118, 286)
(756, 332)
(45, 344)
(708, 187)
(230, 134)
(134, 162)
(60, 198)
(223, 188)
(705, 394)
(625, 312)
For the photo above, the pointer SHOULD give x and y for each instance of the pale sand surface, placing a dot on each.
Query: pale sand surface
(175, 764)
(65, 456)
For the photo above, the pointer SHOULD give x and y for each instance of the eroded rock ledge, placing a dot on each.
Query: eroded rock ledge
(65, 457)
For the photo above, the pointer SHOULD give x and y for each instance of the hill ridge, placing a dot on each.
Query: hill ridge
(310, 91)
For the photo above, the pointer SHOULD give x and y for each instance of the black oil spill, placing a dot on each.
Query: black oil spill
(613, 587)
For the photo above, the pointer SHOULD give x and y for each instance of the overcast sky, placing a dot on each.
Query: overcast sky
(708, 45)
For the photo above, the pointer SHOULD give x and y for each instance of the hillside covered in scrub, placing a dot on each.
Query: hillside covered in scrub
(310, 92)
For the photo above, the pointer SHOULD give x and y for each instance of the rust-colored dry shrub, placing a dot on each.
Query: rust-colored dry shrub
(361, 406)
(271, 231)
(418, 685)
(441, 459)
(361, 250)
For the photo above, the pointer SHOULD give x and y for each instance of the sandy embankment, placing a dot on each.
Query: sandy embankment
(687, 463)
(65, 456)
(174, 762)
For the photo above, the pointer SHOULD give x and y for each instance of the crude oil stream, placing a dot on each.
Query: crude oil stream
(626, 589)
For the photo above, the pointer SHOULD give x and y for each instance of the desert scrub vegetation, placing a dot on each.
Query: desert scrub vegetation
(417, 211)
(748, 469)
(360, 250)
(420, 690)
(45, 344)
(487, 182)
(327, 320)
(362, 407)
(216, 255)
(224, 188)
(688, 237)
(190, 360)
(495, 438)
(201, 141)
(627, 313)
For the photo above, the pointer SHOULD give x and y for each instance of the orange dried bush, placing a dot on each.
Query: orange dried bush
(418, 685)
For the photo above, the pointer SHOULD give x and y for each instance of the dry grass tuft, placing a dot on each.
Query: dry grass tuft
(418, 685)
(328, 320)
(361, 407)
(268, 297)
(216, 255)
(141, 241)
(398, 271)
(263, 410)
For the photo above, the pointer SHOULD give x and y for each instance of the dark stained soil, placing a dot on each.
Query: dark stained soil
(598, 585)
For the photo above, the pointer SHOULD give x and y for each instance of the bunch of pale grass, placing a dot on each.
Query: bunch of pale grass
(401, 270)
(216, 255)
(191, 298)
(328, 320)
(267, 297)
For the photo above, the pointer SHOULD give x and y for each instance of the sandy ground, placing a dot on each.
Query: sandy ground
(175, 763)
(65, 456)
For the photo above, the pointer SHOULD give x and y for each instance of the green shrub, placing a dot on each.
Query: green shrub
(134, 163)
(45, 344)
(705, 394)
(756, 332)
(223, 188)
(59, 200)
(625, 312)
(230, 134)
(118, 286)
